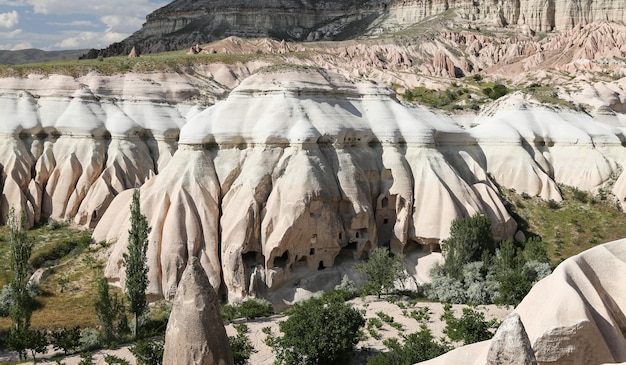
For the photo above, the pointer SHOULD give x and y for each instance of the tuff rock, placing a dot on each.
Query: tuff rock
(195, 333)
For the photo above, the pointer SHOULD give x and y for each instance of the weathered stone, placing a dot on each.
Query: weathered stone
(510, 345)
(195, 332)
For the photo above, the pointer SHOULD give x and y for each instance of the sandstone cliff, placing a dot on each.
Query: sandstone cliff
(184, 23)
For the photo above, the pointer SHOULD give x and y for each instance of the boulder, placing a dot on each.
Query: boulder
(510, 345)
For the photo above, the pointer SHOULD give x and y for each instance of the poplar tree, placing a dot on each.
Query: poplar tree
(135, 262)
(21, 308)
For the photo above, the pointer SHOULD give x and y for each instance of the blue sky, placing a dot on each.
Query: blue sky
(70, 24)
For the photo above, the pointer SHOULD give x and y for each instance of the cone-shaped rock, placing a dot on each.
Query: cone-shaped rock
(510, 345)
(195, 332)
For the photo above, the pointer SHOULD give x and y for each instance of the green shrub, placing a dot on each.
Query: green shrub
(66, 339)
(86, 358)
(419, 346)
(471, 327)
(421, 314)
(115, 360)
(55, 251)
(318, 331)
(148, 352)
(229, 313)
(535, 250)
(385, 317)
(513, 288)
(241, 345)
(374, 323)
(89, 339)
(255, 308)
(553, 204)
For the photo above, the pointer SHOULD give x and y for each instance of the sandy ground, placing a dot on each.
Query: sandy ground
(263, 355)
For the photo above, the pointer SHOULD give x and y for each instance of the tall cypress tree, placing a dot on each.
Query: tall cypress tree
(21, 307)
(135, 262)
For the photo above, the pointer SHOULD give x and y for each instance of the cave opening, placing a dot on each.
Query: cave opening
(281, 261)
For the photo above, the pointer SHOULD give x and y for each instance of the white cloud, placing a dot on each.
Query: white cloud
(95, 7)
(10, 35)
(21, 45)
(91, 40)
(76, 23)
(14, 2)
(9, 20)
(122, 24)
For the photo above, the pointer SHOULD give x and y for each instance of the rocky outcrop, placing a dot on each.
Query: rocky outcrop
(183, 23)
(574, 316)
(195, 333)
(288, 192)
(510, 344)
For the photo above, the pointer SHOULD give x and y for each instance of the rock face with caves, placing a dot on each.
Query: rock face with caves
(574, 316)
(297, 172)
(184, 23)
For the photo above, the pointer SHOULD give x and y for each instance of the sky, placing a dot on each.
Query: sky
(70, 24)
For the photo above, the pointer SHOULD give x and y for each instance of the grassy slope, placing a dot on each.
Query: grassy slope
(70, 287)
(576, 224)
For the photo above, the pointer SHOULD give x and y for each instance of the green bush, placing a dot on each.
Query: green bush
(55, 251)
(115, 360)
(66, 339)
(318, 331)
(255, 308)
(471, 327)
(241, 345)
(86, 358)
(148, 352)
(513, 288)
(89, 339)
(417, 347)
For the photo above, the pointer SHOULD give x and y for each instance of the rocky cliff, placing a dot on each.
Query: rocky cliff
(184, 23)
(297, 171)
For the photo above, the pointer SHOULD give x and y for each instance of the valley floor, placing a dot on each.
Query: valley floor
(263, 355)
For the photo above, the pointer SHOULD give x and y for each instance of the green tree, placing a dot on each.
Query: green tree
(108, 309)
(470, 240)
(21, 307)
(66, 339)
(318, 331)
(514, 286)
(37, 343)
(381, 271)
(135, 262)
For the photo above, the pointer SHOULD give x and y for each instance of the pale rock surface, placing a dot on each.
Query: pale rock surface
(298, 168)
(195, 333)
(510, 344)
(573, 316)
(308, 168)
